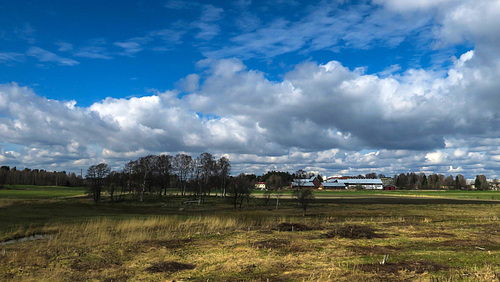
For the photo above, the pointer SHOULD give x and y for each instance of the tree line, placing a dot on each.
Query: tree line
(154, 174)
(13, 176)
(438, 181)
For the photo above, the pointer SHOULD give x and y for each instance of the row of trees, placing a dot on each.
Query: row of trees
(438, 181)
(153, 174)
(13, 176)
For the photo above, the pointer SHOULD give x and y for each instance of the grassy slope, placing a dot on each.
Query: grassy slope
(121, 241)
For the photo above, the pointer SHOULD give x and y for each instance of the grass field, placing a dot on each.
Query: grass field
(39, 192)
(448, 194)
(163, 239)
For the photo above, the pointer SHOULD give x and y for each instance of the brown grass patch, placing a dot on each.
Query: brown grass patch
(272, 244)
(169, 266)
(418, 267)
(352, 232)
(285, 226)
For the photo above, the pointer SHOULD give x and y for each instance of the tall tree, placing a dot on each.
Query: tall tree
(302, 174)
(96, 174)
(304, 198)
(224, 173)
(481, 183)
(4, 175)
(239, 189)
(207, 166)
(183, 164)
(164, 170)
(274, 184)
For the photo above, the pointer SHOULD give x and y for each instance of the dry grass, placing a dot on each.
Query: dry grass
(442, 242)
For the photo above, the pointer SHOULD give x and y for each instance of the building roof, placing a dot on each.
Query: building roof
(333, 184)
(355, 181)
(305, 183)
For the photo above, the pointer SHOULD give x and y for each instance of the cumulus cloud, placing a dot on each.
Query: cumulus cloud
(319, 116)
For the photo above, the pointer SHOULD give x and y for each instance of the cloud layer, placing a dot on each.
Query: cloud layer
(318, 116)
(325, 117)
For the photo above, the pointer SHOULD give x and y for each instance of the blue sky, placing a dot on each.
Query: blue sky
(335, 87)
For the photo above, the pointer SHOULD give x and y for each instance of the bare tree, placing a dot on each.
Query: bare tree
(239, 189)
(207, 166)
(96, 174)
(144, 169)
(183, 164)
(274, 184)
(224, 172)
(304, 198)
(164, 169)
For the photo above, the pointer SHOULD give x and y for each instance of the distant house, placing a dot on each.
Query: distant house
(260, 185)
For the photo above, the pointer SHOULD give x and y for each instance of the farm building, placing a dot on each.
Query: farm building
(353, 183)
(338, 183)
(312, 182)
(389, 187)
(334, 185)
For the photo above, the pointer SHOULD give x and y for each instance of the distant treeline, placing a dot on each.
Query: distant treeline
(439, 181)
(13, 176)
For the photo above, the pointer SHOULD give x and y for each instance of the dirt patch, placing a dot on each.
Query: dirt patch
(352, 232)
(374, 250)
(418, 267)
(491, 228)
(285, 226)
(485, 244)
(169, 266)
(272, 244)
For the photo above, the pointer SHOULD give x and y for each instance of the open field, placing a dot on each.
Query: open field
(448, 194)
(163, 239)
(39, 192)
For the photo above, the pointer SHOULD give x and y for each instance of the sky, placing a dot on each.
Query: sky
(332, 87)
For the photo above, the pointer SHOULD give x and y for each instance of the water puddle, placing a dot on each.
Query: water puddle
(27, 239)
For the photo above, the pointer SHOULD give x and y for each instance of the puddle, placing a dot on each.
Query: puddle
(26, 239)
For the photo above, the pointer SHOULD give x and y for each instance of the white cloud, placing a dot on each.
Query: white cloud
(436, 157)
(11, 57)
(320, 116)
(47, 56)
(130, 47)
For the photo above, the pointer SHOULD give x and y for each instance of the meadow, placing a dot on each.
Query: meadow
(164, 239)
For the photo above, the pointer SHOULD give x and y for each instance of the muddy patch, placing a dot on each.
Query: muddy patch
(285, 226)
(27, 239)
(352, 232)
(418, 267)
(169, 267)
(272, 244)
